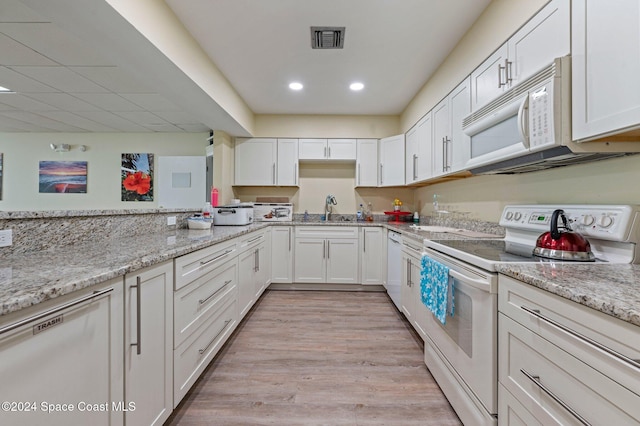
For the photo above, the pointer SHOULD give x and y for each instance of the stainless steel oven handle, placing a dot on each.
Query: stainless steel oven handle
(479, 284)
(582, 337)
(536, 381)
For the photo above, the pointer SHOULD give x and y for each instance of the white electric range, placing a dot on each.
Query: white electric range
(462, 353)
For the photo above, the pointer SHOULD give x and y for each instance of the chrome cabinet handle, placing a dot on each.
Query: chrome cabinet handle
(206, 262)
(295, 173)
(258, 260)
(226, 323)
(538, 383)
(138, 343)
(325, 152)
(364, 240)
(55, 310)
(274, 173)
(585, 339)
(415, 160)
(324, 249)
(358, 173)
(381, 175)
(203, 301)
(444, 153)
(409, 272)
(255, 239)
(289, 238)
(507, 71)
(328, 248)
(500, 68)
(329, 152)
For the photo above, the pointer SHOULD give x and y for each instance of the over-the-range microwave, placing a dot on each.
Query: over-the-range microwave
(528, 128)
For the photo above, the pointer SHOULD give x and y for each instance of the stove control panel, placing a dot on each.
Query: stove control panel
(607, 222)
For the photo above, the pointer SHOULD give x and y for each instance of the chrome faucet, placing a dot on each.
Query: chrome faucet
(328, 206)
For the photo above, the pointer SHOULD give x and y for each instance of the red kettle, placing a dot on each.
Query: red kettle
(567, 245)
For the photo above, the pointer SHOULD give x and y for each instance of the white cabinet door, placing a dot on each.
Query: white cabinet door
(441, 137)
(543, 38)
(246, 281)
(411, 155)
(392, 160)
(69, 355)
(342, 261)
(424, 162)
(287, 164)
(281, 254)
(406, 293)
(367, 162)
(373, 255)
(459, 148)
(149, 344)
(261, 277)
(310, 260)
(488, 81)
(341, 149)
(255, 161)
(312, 149)
(606, 65)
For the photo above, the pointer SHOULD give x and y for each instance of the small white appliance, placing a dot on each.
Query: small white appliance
(462, 353)
(273, 212)
(233, 214)
(528, 128)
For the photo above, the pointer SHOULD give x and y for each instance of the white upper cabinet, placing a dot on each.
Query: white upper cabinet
(327, 149)
(391, 157)
(367, 162)
(266, 162)
(255, 161)
(419, 155)
(544, 37)
(287, 164)
(606, 67)
(451, 148)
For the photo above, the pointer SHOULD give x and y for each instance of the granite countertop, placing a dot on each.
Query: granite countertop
(32, 278)
(611, 289)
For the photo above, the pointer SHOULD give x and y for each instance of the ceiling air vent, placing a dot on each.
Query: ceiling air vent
(327, 37)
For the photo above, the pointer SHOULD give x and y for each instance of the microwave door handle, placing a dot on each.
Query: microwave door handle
(479, 284)
(523, 123)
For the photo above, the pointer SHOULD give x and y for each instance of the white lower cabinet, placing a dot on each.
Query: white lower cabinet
(68, 350)
(148, 364)
(555, 360)
(410, 297)
(282, 254)
(373, 254)
(205, 311)
(326, 254)
(252, 270)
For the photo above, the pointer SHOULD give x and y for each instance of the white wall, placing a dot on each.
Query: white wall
(24, 151)
(612, 181)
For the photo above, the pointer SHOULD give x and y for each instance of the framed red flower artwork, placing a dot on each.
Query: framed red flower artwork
(137, 177)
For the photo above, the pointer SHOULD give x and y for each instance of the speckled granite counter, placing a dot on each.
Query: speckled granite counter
(611, 289)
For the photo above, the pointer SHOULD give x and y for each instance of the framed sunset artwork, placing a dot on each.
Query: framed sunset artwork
(137, 177)
(63, 177)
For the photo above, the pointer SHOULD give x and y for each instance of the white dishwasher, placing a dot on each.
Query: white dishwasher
(394, 265)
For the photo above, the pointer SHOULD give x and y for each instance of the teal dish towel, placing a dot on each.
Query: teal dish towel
(436, 289)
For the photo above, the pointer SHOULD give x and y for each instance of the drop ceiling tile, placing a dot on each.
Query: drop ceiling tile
(61, 78)
(151, 102)
(22, 102)
(194, 128)
(21, 83)
(77, 121)
(41, 121)
(63, 101)
(115, 79)
(112, 120)
(15, 11)
(108, 101)
(14, 53)
(53, 43)
(8, 124)
(177, 117)
(143, 118)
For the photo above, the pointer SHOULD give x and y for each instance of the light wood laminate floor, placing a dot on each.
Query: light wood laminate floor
(318, 358)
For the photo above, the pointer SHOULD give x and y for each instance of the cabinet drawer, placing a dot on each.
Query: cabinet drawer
(194, 265)
(589, 393)
(511, 412)
(251, 240)
(327, 231)
(192, 357)
(195, 303)
(614, 334)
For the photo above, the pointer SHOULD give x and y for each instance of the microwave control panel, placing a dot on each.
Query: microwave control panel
(541, 131)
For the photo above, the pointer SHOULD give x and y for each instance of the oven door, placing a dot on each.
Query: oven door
(468, 339)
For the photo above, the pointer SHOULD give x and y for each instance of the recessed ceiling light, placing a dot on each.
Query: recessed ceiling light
(356, 86)
(5, 90)
(295, 86)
